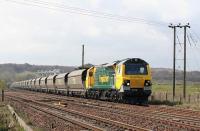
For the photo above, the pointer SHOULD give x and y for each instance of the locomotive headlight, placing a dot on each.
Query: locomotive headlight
(126, 83)
(147, 83)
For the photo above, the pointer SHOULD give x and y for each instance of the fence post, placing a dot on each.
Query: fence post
(189, 98)
(152, 97)
(159, 96)
(180, 99)
(2, 94)
(166, 96)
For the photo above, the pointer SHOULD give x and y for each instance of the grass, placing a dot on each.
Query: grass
(159, 93)
(7, 122)
(169, 103)
(193, 88)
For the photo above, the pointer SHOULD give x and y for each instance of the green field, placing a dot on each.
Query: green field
(195, 88)
(162, 95)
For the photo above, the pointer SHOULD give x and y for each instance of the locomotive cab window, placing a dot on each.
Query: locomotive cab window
(135, 69)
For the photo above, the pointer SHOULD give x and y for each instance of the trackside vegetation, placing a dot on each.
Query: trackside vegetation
(7, 122)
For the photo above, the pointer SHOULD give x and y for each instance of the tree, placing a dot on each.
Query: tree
(2, 84)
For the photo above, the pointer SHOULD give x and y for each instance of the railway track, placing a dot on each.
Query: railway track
(161, 113)
(56, 114)
(105, 124)
(174, 119)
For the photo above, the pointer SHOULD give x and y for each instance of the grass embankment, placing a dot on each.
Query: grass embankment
(7, 122)
(27, 118)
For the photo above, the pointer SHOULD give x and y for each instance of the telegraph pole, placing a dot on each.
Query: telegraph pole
(83, 53)
(174, 58)
(185, 56)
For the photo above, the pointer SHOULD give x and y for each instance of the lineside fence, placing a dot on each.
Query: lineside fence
(166, 96)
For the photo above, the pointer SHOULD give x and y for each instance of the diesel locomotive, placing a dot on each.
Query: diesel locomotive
(127, 80)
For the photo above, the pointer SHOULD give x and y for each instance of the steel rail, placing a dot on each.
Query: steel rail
(104, 120)
(173, 119)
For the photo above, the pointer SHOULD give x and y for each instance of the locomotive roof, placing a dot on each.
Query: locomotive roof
(132, 60)
(123, 61)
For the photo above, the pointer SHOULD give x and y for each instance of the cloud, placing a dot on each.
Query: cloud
(43, 36)
(163, 11)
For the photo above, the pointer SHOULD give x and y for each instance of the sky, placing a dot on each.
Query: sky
(41, 34)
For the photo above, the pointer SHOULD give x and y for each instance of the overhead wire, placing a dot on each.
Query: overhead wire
(191, 37)
(191, 42)
(197, 36)
(179, 41)
(76, 10)
(194, 52)
(196, 41)
(89, 11)
(188, 39)
(178, 58)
